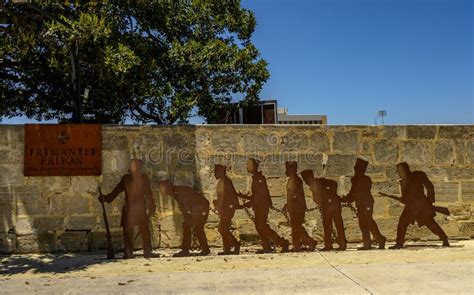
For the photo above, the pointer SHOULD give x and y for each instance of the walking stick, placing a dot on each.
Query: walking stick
(110, 247)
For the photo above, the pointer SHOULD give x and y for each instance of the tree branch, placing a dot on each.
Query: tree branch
(156, 119)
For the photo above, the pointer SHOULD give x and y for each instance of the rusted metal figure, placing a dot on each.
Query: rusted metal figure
(226, 204)
(296, 207)
(418, 206)
(195, 209)
(138, 198)
(261, 203)
(360, 193)
(325, 195)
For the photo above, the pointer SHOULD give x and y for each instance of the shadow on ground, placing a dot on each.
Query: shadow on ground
(49, 263)
(71, 262)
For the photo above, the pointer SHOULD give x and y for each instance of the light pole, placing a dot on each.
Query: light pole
(382, 114)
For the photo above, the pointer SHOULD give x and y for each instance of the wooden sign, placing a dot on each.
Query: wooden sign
(62, 150)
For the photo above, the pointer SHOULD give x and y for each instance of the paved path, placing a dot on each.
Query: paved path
(421, 269)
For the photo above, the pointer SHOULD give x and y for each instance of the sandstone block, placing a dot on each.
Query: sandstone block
(48, 223)
(394, 132)
(68, 204)
(114, 142)
(453, 132)
(444, 153)
(37, 243)
(318, 142)
(421, 132)
(467, 191)
(466, 228)
(446, 191)
(81, 222)
(386, 151)
(346, 142)
(7, 243)
(73, 241)
(416, 152)
(340, 165)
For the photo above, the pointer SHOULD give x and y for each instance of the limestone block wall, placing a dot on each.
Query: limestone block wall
(47, 214)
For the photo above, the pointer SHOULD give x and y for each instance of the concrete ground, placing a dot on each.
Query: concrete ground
(421, 268)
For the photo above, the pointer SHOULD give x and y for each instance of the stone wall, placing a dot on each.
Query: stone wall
(43, 214)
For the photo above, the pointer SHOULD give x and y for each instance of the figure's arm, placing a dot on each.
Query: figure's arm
(317, 198)
(429, 188)
(220, 194)
(291, 193)
(350, 197)
(149, 197)
(120, 187)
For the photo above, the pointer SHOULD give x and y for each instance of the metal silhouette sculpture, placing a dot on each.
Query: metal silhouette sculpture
(361, 195)
(110, 247)
(261, 202)
(195, 209)
(138, 198)
(325, 195)
(418, 206)
(296, 207)
(226, 204)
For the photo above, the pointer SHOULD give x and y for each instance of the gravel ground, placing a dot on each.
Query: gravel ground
(421, 268)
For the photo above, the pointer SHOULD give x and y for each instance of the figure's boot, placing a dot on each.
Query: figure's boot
(225, 252)
(236, 249)
(327, 247)
(342, 244)
(182, 253)
(285, 246)
(382, 243)
(312, 245)
(446, 243)
(367, 245)
(396, 246)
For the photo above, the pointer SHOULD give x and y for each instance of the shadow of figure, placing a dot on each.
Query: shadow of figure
(195, 209)
(49, 263)
(418, 206)
(361, 185)
(261, 202)
(325, 195)
(296, 207)
(226, 204)
(138, 198)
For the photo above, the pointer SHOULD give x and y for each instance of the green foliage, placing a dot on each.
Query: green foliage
(152, 61)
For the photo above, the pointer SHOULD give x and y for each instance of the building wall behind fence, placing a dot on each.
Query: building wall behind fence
(43, 214)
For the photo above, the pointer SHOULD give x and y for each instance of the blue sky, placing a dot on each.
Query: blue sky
(349, 59)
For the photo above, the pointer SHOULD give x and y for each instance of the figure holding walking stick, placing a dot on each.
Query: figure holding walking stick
(110, 247)
(138, 198)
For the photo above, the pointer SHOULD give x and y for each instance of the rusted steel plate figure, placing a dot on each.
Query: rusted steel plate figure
(296, 207)
(195, 209)
(360, 193)
(138, 197)
(418, 206)
(261, 203)
(325, 195)
(226, 204)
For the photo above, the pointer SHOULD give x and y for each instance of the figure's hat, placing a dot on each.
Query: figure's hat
(253, 161)
(307, 174)
(361, 164)
(219, 168)
(291, 165)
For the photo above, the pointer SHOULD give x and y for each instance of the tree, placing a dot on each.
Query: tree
(151, 61)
